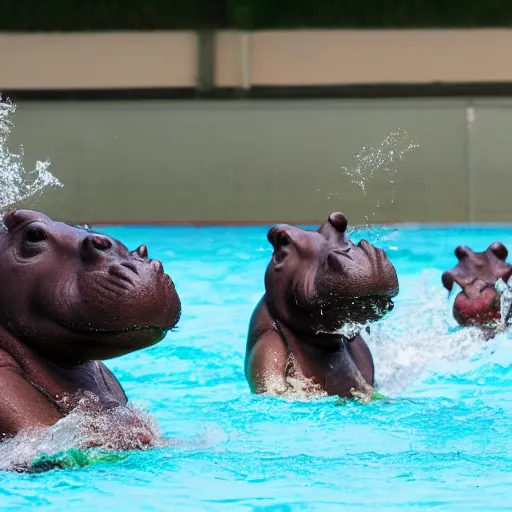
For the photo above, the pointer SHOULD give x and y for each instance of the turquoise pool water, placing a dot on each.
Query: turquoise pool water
(441, 441)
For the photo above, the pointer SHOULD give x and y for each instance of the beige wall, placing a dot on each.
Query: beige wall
(263, 161)
(323, 57)
(170, 59)
(266, 161)
(88, 61)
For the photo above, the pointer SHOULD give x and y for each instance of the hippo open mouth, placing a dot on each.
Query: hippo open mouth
(93, 331)
(482, 309)
(126, 340)
(479, 275)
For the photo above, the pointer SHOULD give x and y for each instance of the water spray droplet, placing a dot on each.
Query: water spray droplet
(16, 183)
(369, 163)
(505, 299)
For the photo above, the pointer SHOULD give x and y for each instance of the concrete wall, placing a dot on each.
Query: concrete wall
(265, 161)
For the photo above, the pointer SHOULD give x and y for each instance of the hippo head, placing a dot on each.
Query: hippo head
(478, 303)
(72, 294)
(319, 281)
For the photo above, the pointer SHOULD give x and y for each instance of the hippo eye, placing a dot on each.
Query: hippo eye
(334, 262)
(35, 235)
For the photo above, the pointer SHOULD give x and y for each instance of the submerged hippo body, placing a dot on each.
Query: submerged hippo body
(70, 297)
(317, 284)
(477, 273)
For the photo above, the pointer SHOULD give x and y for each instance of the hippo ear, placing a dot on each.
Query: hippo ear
(447, 280)
(461, 252)
(339, 221)
(499, 250)
(15, 218)
(12, 219)
(142, 251)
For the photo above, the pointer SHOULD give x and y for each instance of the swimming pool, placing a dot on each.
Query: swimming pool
(441, 441)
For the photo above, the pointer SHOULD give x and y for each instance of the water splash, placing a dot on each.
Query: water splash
(87, 435)
(420, 335)
(417, 337)
(505, 299)
(370, 163)
(383, 159)
(16, 183)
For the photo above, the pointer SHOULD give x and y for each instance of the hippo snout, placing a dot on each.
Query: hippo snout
(157, 265)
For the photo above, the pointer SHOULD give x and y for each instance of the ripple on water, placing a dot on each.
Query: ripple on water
(440, 439)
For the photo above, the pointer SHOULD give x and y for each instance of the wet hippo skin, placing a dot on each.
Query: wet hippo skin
(478, 302)
(316, 284)
(69, 298)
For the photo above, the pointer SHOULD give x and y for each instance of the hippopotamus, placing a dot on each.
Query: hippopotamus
(321, 289)
(69, 298)
(478, 303)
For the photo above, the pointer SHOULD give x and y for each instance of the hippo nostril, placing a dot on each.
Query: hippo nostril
(447, 280)
(101, 243)
(339, 221)
(461, 252)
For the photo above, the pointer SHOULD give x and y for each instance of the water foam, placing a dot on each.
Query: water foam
(419, 335)
(422, 332)
(89, 430)
(505, 291)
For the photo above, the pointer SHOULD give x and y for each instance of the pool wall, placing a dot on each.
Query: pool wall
(262, 161)
(246, 160)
